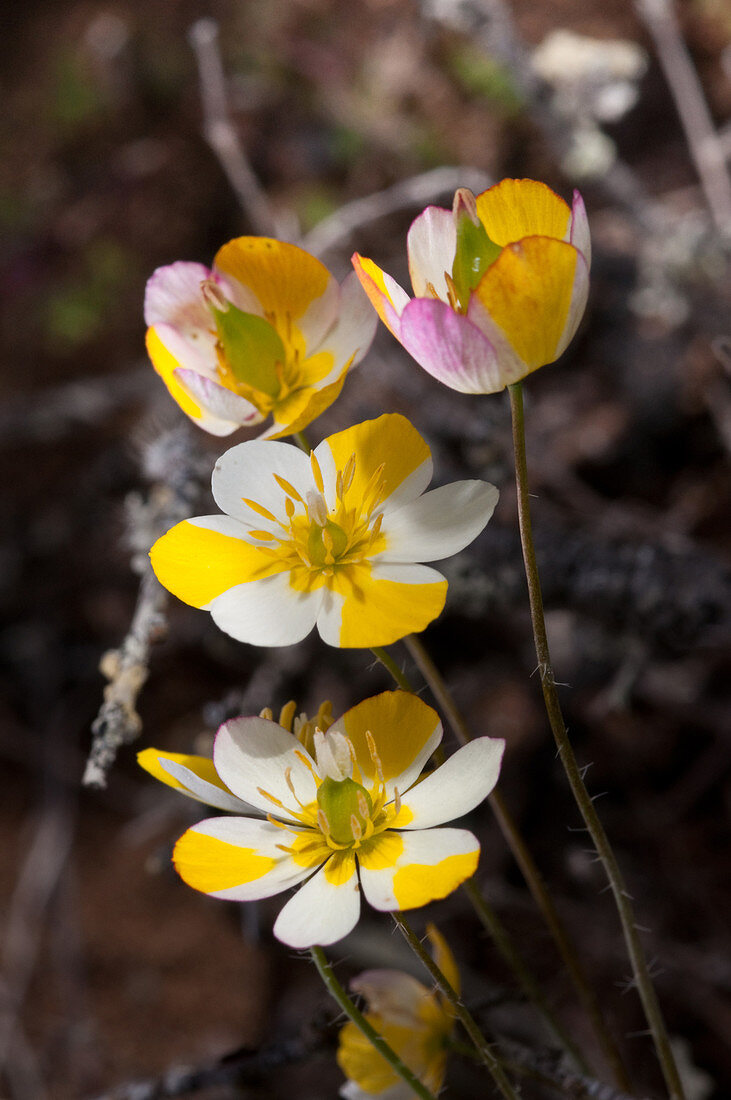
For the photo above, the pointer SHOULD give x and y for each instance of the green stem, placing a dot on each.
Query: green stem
(507, 949)
(390, 665)
(301, 440)
(465, 1018)
(604, 850)
(529, 870)
(339, 995)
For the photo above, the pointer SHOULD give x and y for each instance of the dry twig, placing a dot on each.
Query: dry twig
(703, 141)
(170, 460)
(221, 134)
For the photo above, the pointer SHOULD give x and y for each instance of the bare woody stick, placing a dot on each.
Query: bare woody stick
(705, 146)
(221, 134)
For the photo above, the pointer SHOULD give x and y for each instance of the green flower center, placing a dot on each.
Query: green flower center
(345, 810)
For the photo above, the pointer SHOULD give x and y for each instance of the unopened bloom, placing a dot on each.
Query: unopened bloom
(350, 812)
(500, 285)
(267, 331)
(333, 538)
(416, 1022)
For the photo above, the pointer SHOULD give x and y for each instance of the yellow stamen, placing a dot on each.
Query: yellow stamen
(267, 713)
(286, 715)
(289, 489)
(262, 511)
(317, 472)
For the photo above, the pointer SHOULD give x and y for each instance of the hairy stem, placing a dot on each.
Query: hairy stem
(339, 995)
(465, 1018)
(599, 838)
(533, 878)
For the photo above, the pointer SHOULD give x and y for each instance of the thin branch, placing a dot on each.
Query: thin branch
(704, 144)
(171, 461)
(335, 230)
(221, 134)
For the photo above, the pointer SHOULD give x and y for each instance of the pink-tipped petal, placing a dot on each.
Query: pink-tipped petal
(449, 347)
(579, 298)
(578, 234)
(173, 296)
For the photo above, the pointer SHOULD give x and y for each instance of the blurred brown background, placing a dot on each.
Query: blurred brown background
(115, 972)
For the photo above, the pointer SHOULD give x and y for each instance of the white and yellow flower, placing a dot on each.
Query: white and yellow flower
(500, 284)
(416, 1022)
(267, 331)
(349, 816)
(332, 539)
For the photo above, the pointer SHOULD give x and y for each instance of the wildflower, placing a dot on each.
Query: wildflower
(332, 539)
(415, 1022)
(349, 811)
(500, 285)
(267, 331)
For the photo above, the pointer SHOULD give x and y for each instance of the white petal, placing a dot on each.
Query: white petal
(268, 612)
(217, 400)
(424, 850)
(248, 471)
(195, 352)
(457, 786)
(252, 755)
(263, 839)
(440, 523)
(330, 617)
(411, 487)
(578, 233)
(203, 791)
(400, 1091)
(353, 332)
(320, 315)
(431, 245)
(319, 913)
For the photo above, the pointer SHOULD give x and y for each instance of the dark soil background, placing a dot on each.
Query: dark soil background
(114, 972)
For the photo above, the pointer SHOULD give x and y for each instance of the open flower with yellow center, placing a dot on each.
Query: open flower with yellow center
(332, 539)
(347, 816)
(500, 285)
(267, 332)
(416, 1022)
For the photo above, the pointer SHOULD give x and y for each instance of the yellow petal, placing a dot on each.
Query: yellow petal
(380, 612)
(202, 766)
(401, 725)
(211, 865)
(419, 883)
(164, 363)
(284, 278)
(197, 564)
(527, 292)
(390, 440)
(513, 209)
(373, 281)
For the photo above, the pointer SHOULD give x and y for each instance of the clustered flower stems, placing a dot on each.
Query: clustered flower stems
(643, 981)
(353, 1013)
(533, 878)
(463, 1015)
(484, 911)
(505, 946)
